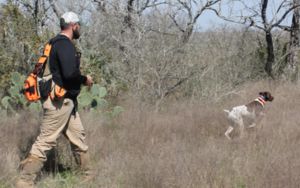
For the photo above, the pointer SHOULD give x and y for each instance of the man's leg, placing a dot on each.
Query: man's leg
(56, 117)
(32, 165)
(75, 133)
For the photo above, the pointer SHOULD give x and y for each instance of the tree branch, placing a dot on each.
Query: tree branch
(181, 81)
(101, 6)
(148, 6)
(184, 4)
(177, 25)
(28, 6)
(285, 28)
(55, 9)
(284, 15)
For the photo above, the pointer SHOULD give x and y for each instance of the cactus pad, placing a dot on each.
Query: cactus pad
(5, 102)
(16, 78)
(95, 90)
(34, 108)
(117, 110)
(14, 91)
(23, 99)
(102, 103)
(102, 92)
(83, 90)
(85, 99)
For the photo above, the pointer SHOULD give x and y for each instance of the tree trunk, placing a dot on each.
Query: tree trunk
(271, 57)
(128, 20)
(294, 43)
(187, 34)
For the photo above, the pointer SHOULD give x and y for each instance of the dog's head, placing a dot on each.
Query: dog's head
(267, 96)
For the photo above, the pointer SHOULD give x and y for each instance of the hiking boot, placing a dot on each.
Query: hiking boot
(32, 165)
(83, 160)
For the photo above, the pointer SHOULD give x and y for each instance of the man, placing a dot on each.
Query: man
(61, 116)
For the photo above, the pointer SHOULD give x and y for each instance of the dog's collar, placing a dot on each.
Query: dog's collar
(260, 101)
(262, 97)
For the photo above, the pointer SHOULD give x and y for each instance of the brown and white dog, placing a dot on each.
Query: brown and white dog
(253, 112)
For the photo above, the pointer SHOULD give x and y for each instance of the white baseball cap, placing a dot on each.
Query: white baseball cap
(70, 17)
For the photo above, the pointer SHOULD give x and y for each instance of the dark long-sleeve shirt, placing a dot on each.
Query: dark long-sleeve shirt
(65, 66)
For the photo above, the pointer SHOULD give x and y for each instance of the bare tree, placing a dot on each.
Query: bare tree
(40, 11)
(192, 10)
(268, 26)
(144, 43)
(100, 5)
(257, 17)
(294, 37)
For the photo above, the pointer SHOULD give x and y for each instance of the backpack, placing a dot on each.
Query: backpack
(39, 83)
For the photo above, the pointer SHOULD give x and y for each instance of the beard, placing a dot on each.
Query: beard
(76, 33)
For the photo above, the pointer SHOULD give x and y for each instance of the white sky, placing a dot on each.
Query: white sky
(208, 17)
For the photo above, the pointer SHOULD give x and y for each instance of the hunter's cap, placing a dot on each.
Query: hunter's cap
(70, 17)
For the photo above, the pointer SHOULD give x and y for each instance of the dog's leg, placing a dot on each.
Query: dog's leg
(230, 128)
(262, 114)
(241, 124)
(260, 117)
(252, 117)
(253, 124)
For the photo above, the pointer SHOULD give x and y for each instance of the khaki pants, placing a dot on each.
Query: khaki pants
(57, 119)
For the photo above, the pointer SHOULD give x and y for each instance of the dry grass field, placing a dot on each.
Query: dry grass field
(180, 145)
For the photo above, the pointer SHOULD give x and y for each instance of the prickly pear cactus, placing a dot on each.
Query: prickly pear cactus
(102, 103)
(16, 78)
(5, 102)
(85, 99)
(94, 102)
(118, 111)
(16, 90)
(102, 92)
(34, 109)
(95, 90)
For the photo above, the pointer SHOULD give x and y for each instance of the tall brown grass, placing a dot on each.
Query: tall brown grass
(182, 144)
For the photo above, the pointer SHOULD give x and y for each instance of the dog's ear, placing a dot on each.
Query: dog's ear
(264, 93)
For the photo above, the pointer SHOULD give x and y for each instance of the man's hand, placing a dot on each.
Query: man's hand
(89, 80)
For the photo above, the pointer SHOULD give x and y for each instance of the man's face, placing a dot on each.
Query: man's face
(76, 31)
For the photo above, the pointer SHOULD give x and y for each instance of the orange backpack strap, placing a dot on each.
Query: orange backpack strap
(39, 83)
(46, 55)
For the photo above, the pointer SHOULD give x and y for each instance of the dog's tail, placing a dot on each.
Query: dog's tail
(227, 111)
